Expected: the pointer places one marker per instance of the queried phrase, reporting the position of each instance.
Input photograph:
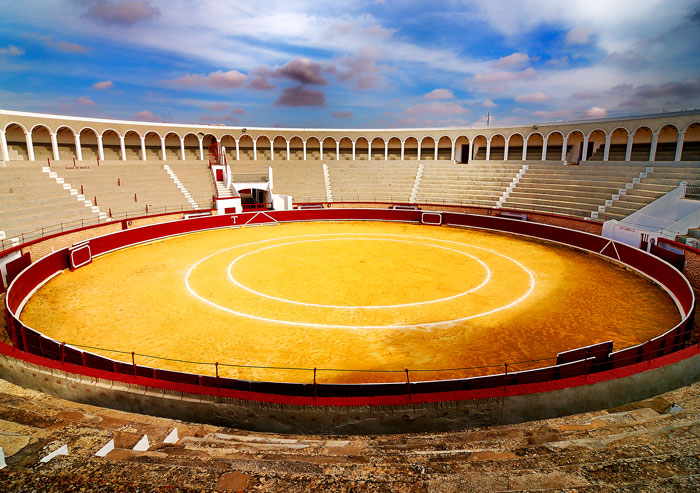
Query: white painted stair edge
(180, 186)
(327, 180)
(622, 192)
(416, 183)
(81, 198)
(512, 185)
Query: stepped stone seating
(573, 190)
(303, 180)
(657, 183)
(372, 181)
(476, 183)
(639, 447)
(30, 201)
(114, 186)
(196, 177)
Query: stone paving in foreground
(638, 447)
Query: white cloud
(580, 35)
(596, 112)
(533, 97)
(439, 94)
(103, 85)
(516, 60)
(487, 103)
(11, 50)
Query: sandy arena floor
(356, 296)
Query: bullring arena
(439, 309)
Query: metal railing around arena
(588, 361)
(67, 226)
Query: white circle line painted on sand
(531, 287)
(350, 238)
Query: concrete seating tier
(372, 181)
(303, 180)
(126, 188)
(477, 183)
(573, 190)
(196, 177)
(657, 183)
(30, 201)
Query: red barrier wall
(574, 364)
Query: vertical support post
(386, 150)
(584, 150)
(255, 150)
(606, 150)
(369, 149)
(353, 150)
(30, 145)
(408, 383)
(437, 144)
(238, 151)
(162, 148)
(78, 148)
(452, 152)
(628, 149)
(337, 150)
(303, 148)
(488, 149)
(420, 148)
(524, 149)
(564, 144)
(201, 149)
(182, 148)
(544, 148)
(679, 146)
(54, 146)
(122, 147)
(403, 148)
(471, 151)
(288, 156)
(100, 149)
(272, 149)
(3, 146)
(143, 147)
(505, 149)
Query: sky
(350, 63)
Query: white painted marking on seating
(284, 300)
(109, 446)
(172, 437)
(143, 444)
(531, 287)
(63, 450)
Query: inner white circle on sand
(425, 325)
(486, 279)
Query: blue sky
(350, 63)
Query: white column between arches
(320, 149)
(584, 151)
(3, 146)
(353, 150)
(544, 149)
(369, 150)
(420, 147)
(182, 148)
(505, 149)
(436, 151)
(654, 142)
(471, 150)
(452, 151)
(100, 149)
(524, 157)
(78, 148)
(606, 150)
(255, 150)
(143, 147)
(564, 144)
(287, 149)
(337, 150)
(303, 147)
(272, 149)
(402, 150)
(201, 149)
(238, 150)
(162, 148)
(30, 145)
(628, 149)
(122, 147)
(386, 150)
(488, 149)
(54, 147)
(679, 146)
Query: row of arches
(668, 143)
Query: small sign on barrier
(80, 255)
(432, 218)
